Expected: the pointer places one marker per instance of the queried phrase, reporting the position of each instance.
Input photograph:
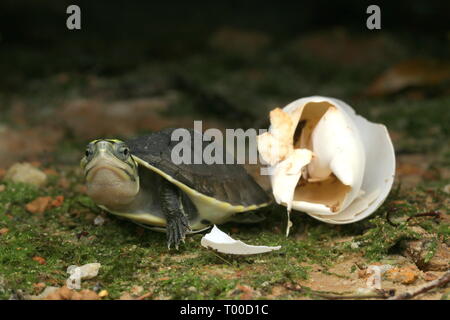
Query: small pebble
(404, 275)
(103, 293)
(97, 287)
(447, 189)
(26, 173)
(428, 276)
(354, 245)
(99, 221)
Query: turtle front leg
(172, 207)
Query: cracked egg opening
(331, 183)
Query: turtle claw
(176, 231)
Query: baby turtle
(138, 180)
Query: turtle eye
(123, 152)
(88, 153)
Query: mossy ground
(249, 84)
(131, 256)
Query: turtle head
(111, 173)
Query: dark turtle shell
(228, 183)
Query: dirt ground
(48, 115)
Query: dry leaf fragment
(409, 73)
(39, 260)
(406, 275)
(65, 293)
(246, 292)
(62, 293)
(41, 204)
(57, 201)
(38, 205)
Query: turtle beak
(112, 168)
(110, 181)
(104, 163)
(103, 160)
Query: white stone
(78, 273)
(26, 173)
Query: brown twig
(433, 284)
(377, 294)
(382, 294)
(435, 214)
(145, 296)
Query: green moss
(16, 194)
(430, 250)
(66, 235)
(377, 241)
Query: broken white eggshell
(220, 241)
(327, 161)
(78, 273)
(376, 273)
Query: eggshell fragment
(78, 273)
(278, 143)
(221, 242)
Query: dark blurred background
(138, 66)
(117, 36)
